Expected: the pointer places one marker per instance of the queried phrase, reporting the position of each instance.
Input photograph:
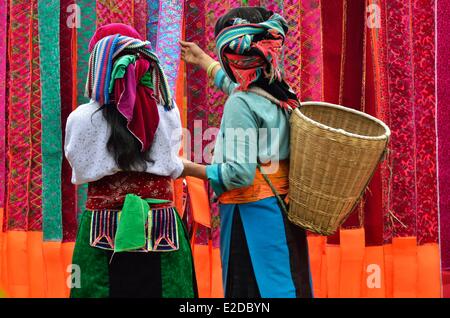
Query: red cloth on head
(111, 29)
(136, 102)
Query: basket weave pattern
(334, 153)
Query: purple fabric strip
(3, 44)
(443, 126)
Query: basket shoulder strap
(275, 192)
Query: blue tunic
(262, 221)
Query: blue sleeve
(224, 83)
(239, 144)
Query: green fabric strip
(88, 18)
(48, 13)
(84, 33)
(92, 264)
(177, 271)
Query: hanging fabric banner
(88, 18)
(423, 41)
(152, 22)
(140, 11)
(51, 118)
(403, 197)
(169, 33)
(19, 132)
(3, 46)
(35, 180)
(443, 131)
(68, 190)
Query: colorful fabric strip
(152, 22)
(3, 44)
(443, 125)
(169, 33)
(51, 118)
(19, 144)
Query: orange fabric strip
(216, 274)
(374, 278)
(260, 189)
(17, 262)
(352, 260)
(404, 251)
(36, 269)
(199, 201)
(428, 271)
(333, 269)
(67, 252)
(54, 267)
(389, 270)
(202, 266)
(316, 247)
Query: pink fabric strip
(292, 64)
(3, 43)
(443, 126)
(214, 10)
(311, 50)
(424, 106)
(403, 198)
(140, 16)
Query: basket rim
(385, 136)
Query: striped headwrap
(101, 63)
(250, 53)
(239, 38)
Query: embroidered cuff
(214, 174)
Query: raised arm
(191, 53)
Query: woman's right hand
(191, 53)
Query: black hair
(122, 145)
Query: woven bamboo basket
(334, 153)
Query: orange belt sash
(260, 190)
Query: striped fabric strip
(51, 119)
(152, 22)
(35, 185)
(169, 33)
(3, 47)
(19, 141)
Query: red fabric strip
(68, 190)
